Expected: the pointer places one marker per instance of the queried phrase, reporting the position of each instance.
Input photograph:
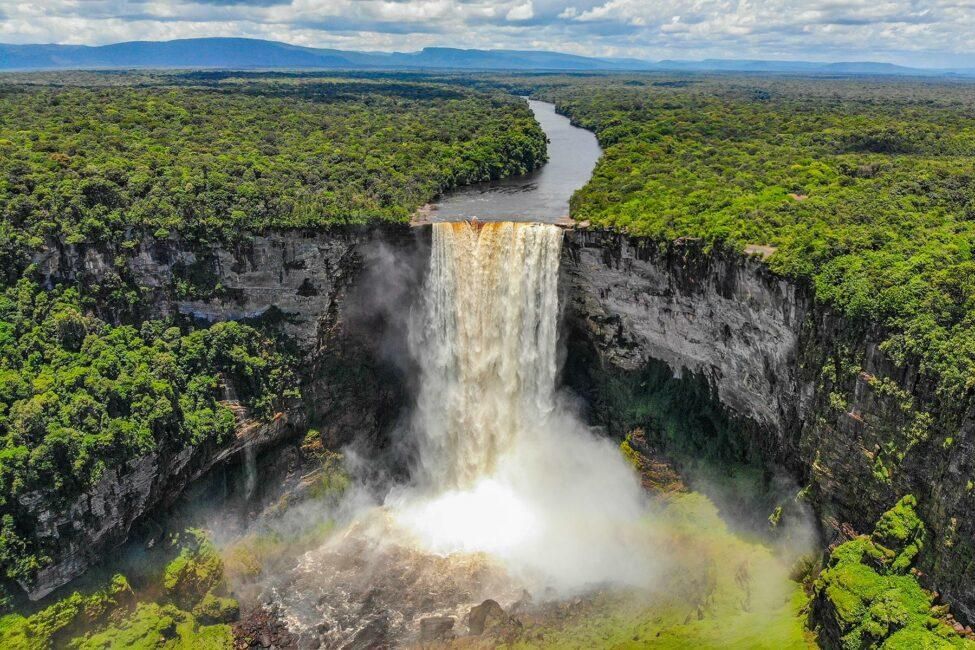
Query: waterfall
(504, 465)
(485, 339)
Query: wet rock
(373, 636)
(436, 628)
(262, 628)
(522, 604)
(486, 617)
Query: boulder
(486, 617)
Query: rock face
(321, 288)
(102, 517)
(297, 273)
(726, 318)
(436, 628)
(486, 617)
(813, 391)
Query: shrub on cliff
(866, 597)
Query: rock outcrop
(295, 273)
(813, 391)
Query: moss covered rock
(158, 626)
(217, 609)
(866, 597)
(194, 572)
(53, 625)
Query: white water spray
(504, 468)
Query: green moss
(901, 534)
(52, 625)
(630, 454)
(195, 571)
(158, 626)
(331, 481)
(217, 609)
(868, 596)
(111, 618)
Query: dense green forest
(108, 159)
(79, 397)
(164, 154)
(865, 188)
(862, 189)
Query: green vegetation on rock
(81, 399)
(192, 615)
(195, 572)
(162, 627)
(867, 596)
(71, 615)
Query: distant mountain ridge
(245, 53)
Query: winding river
(543, 195)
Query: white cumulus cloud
(524, 11)
(918, 32)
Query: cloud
(914, 32)
(254, 3)
(521, 12)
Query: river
(541, 196)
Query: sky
(925, 33)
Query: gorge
(478, 379)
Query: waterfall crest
(485, 339)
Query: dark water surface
(542, 195)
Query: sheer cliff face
(813, 391)
(306, 283)
(722, 317)
(298, 274)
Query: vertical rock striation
(812, 390)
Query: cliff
(808, 389)
(315, 287)
(84, 530)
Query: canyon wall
(318, 288)
(811, 390)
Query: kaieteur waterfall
(510, 492)
(504, 466)
(486, 345)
